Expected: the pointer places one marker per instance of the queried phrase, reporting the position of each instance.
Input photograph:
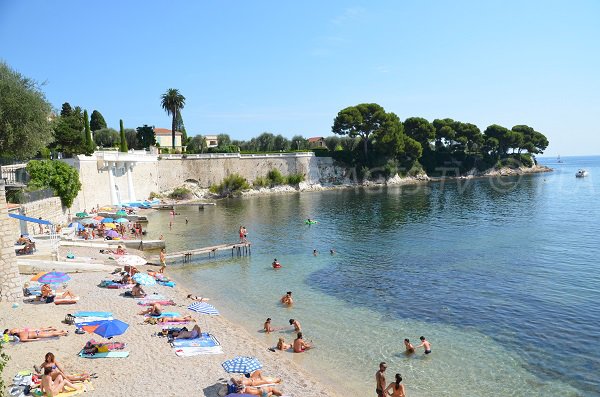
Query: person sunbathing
(57, 369)
(263, 391)
(154, 310)
(242, 383)
(154, 320)
(197, 298)
(46, 292)
(257, 377)
(29, 335)
(196, 332)
(64, 295)
(52, 387)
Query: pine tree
(97, 122)
(123, 143)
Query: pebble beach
(152, 367)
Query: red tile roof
(164, 131)
(315, 139)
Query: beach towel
(173, 323)
(167, 283)
(165, 314)
(87, 386)
(66, 301)
(92, 314)
(206, 340)
(195, 351)
(150, 303)
(91, 323)
(79, 320)
(111, 354)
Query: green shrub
(261, 181)
(57, 175)
(181, 193)
(3, 361)
(153, 195)
(276, 178)
(295, 179)
(230, 186)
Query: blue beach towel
(206, 340)
(92, 314)
(166, 314)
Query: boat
(581, 173)
(558, 159)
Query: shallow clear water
(500, 275)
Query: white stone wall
(49, 209)
(10, 282)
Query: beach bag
(69, 319)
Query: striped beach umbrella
(204, 308)
(241, 365)
(54, 278)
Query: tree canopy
(25, 126)
(57, 175)
(172, 102)
(145, 136)
(107, 137)
(97, 121)
(362, 121)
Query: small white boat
(581, 173)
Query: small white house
(211, 141)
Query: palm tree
(172, 101)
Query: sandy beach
(152, 367)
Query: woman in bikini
(396, 388)
(57, 369)
(28, 334)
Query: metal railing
(233, 155)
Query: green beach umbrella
(81, 215)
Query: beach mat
(87, 387)
(111, 354)
(206, 340)
(92, 314)
(165, 314)
(195, 351)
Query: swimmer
(425, 345)
(332, 251)
(276, 264)
(287, 298)
(410, 349)
(315, 252)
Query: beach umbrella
(204, 308)
(131, 260)
(110, 328)
(112, 234)
(54, 278)
(81, 214)
(37, 276)
(76, 225)
(144, 279)
(106, 208)
(98, 218)
(110, 225)
(121, 213)
(241, 365)
(107, 220)
(122, 220)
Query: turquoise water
(500, 275)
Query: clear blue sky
(285, 67)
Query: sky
(247, 67)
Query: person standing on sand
(380, 379)
(163, 261)
(425, 345)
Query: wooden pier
(237, 249)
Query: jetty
(237, 249)
(173, 205)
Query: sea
(501, 275)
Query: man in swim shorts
(425, 345)
(380, 379)
(300, 345)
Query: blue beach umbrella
(241, 365)
(76, 225)
(204, 308)
(144, 279)
(122, 220)
(54, 278)
(110, 328)
(107, 220)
